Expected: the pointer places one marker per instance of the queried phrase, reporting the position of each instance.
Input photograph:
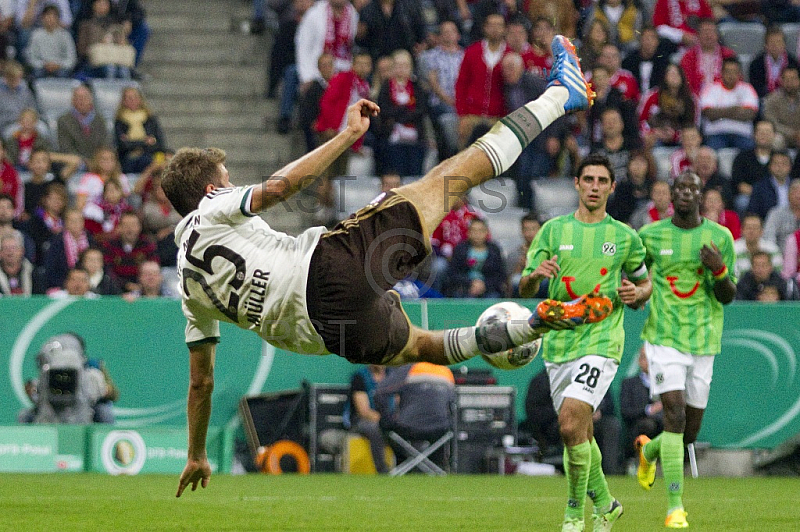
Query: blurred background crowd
(710, 86)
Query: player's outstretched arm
(201, 384)
(298, 174)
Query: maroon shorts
(351, 270)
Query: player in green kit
(691, 262)
(580, 253)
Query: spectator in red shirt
(666, 109)
(10, 183)
(542, 35)
(128, 251)
(766, 68)
(702, 63)
(714, 209)
(621, 79)
(343, 89)
(517, 39)
(452, 230)
(25, 140)
(683, 158)
(103, 215)
(658, 208)
(676, 20)
(479, 86)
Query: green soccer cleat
(646, 472)
(604, 522)
(572, 524)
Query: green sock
(598, 487)
(672, 466)
(579, 458)
(652, 450)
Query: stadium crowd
(680, 85)
(81, 208)
(708, 86)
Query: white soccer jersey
(717, 96)
(233, 267)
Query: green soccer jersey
(684, 314)
(590, 256)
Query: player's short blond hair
(187, 175)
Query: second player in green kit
(691, 263)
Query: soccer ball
(516, 357)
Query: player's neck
(587, 216)
(687, 220)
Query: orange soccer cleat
(589, 308)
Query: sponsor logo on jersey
(609, 248)
(659, 378)
(565, 247)
(665, 252)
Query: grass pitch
(90, 502)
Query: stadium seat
(792, 32)
(726, 157)
(361, 162)
(107, 94)
(353, 194)
(171, 279)
(54, 98)
(504, 226)
(554, 197)
(495, 195)
(662, 155)
(743, 38)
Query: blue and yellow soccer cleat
(604, 522)
(567, 73)
(677, 519)
(646, 472)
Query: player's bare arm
(300, 173)
(635, 294)
(724, 288)
(529, 284)
(201, 384)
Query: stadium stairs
(205, 79)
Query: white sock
(508, 137)
(466, 342)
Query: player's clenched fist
(358, 116)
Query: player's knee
(573, 425)
(674, 418)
